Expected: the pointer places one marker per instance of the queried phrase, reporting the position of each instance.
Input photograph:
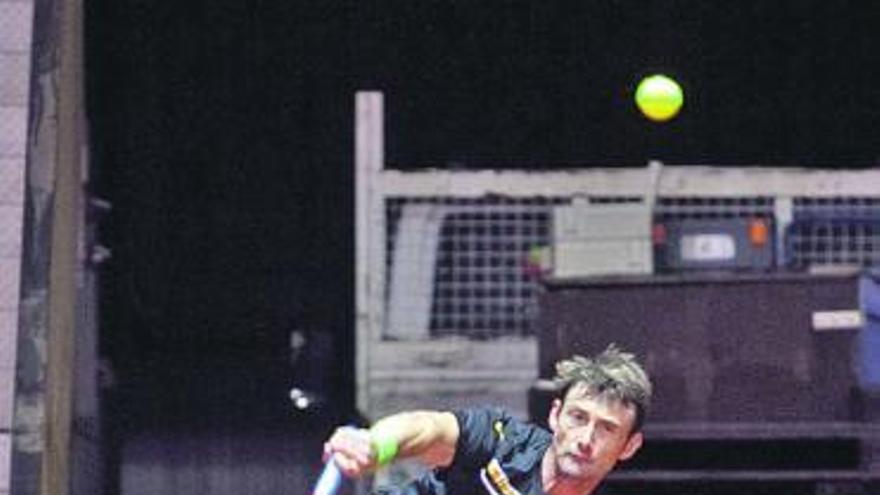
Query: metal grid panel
(480, 286)
(837, 207)
(834, 231)
(713, 207)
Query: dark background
(222, 133)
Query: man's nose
(585, 438)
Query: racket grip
(330, 479)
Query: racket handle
(330, 479)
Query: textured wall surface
(16, 24)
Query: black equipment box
(713, 244)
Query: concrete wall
(16, 26)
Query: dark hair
(612, 373)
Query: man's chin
(574, 467)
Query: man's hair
(612, 374)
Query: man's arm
(429, 436)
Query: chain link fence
(840, 231)
(475, 280)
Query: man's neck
(555, 483)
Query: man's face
(591, 434)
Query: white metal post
(369, 234)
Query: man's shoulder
(500, 423)
(484, 417)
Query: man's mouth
(579, 458)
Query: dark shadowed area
(222, 133)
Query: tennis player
(595, 422)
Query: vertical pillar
(369, 236)
(16, 28)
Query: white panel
(9, 283)
(841, 319)
(7, 378)
(604, 239)
(370, 234)
(411, 288)
(14, 71)
(599, 258)
(675, 181)
(582, 222)
(5, 461)
(11, 181)
(16, 26)
(13, 125)
(16, 29)
(10, 231)
(8, 337)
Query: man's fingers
(328, 452)
(348, 466)
(351, 450)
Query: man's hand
(352, 450)
(429, 436)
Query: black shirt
(496, 454)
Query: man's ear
(553, 418)
(633, 444)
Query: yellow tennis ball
(659, 97)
